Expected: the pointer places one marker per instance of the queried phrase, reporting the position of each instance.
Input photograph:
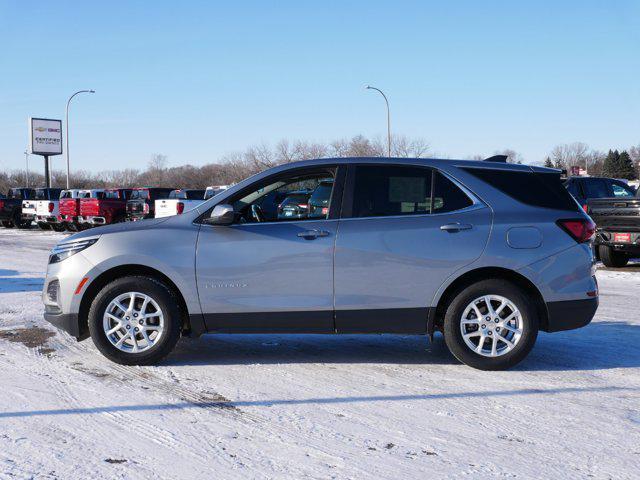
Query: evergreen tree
(548, 163)
(626, 167)
(611, 163)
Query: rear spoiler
(497, 158)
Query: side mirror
(222, 214)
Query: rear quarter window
(535, 189)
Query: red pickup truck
(104, 207)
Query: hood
(117, 228)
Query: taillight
(180, 207)
(145, 209)
(581, 229)
(585, 207)
(1, 204)
(50, 207)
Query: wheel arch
(468, 278)
(123, 271)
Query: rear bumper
(570, 314)
(67, 322)
(605, 237)
(47, 219)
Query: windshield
(15, 194)
(139, 195)
(42, 194)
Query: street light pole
(67, 124)
(369, 87)
(26, 159)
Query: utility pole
(26, 160)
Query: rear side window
(401, 190)
(531, 188)
(447, 197)
(381, 191)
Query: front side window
(299, 197)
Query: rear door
(404, 230)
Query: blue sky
(197, 80)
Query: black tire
(7, 224)
(44, 226)
(58, 227)
(453, 316)
(611, 258)
(163, 296)
(20, 223)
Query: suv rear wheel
(611, 258)
(490, 325)
(135, 320)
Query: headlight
(65, 250)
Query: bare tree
(570, 154)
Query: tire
(611, 258)
(164, 299)
(20, 223)
(506, 356)
(7, 224)
(58, 227)
(44, 226)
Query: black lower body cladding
(571, 314)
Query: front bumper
(570, 314)
(68, 322)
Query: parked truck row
(79, 209)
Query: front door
(405, 230)
(272, 270)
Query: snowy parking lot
(271, 406)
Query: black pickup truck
(615, 207)
(11, 207)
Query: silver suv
(485, 252)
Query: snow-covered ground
(268, 406)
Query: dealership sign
(45, 136)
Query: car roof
(432, 162)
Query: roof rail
(497, 158)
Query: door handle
(455, 227)
(313, 234)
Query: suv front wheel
(490, 325)
(135, 320)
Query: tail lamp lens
(180, 208)
(145, 209)
(581, 229)
(50, 207)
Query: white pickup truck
(43, 208)
(179, 201)
(48, 208)
(214, 190)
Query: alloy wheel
(491, 325)
(133, 322)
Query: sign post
(45, 138)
